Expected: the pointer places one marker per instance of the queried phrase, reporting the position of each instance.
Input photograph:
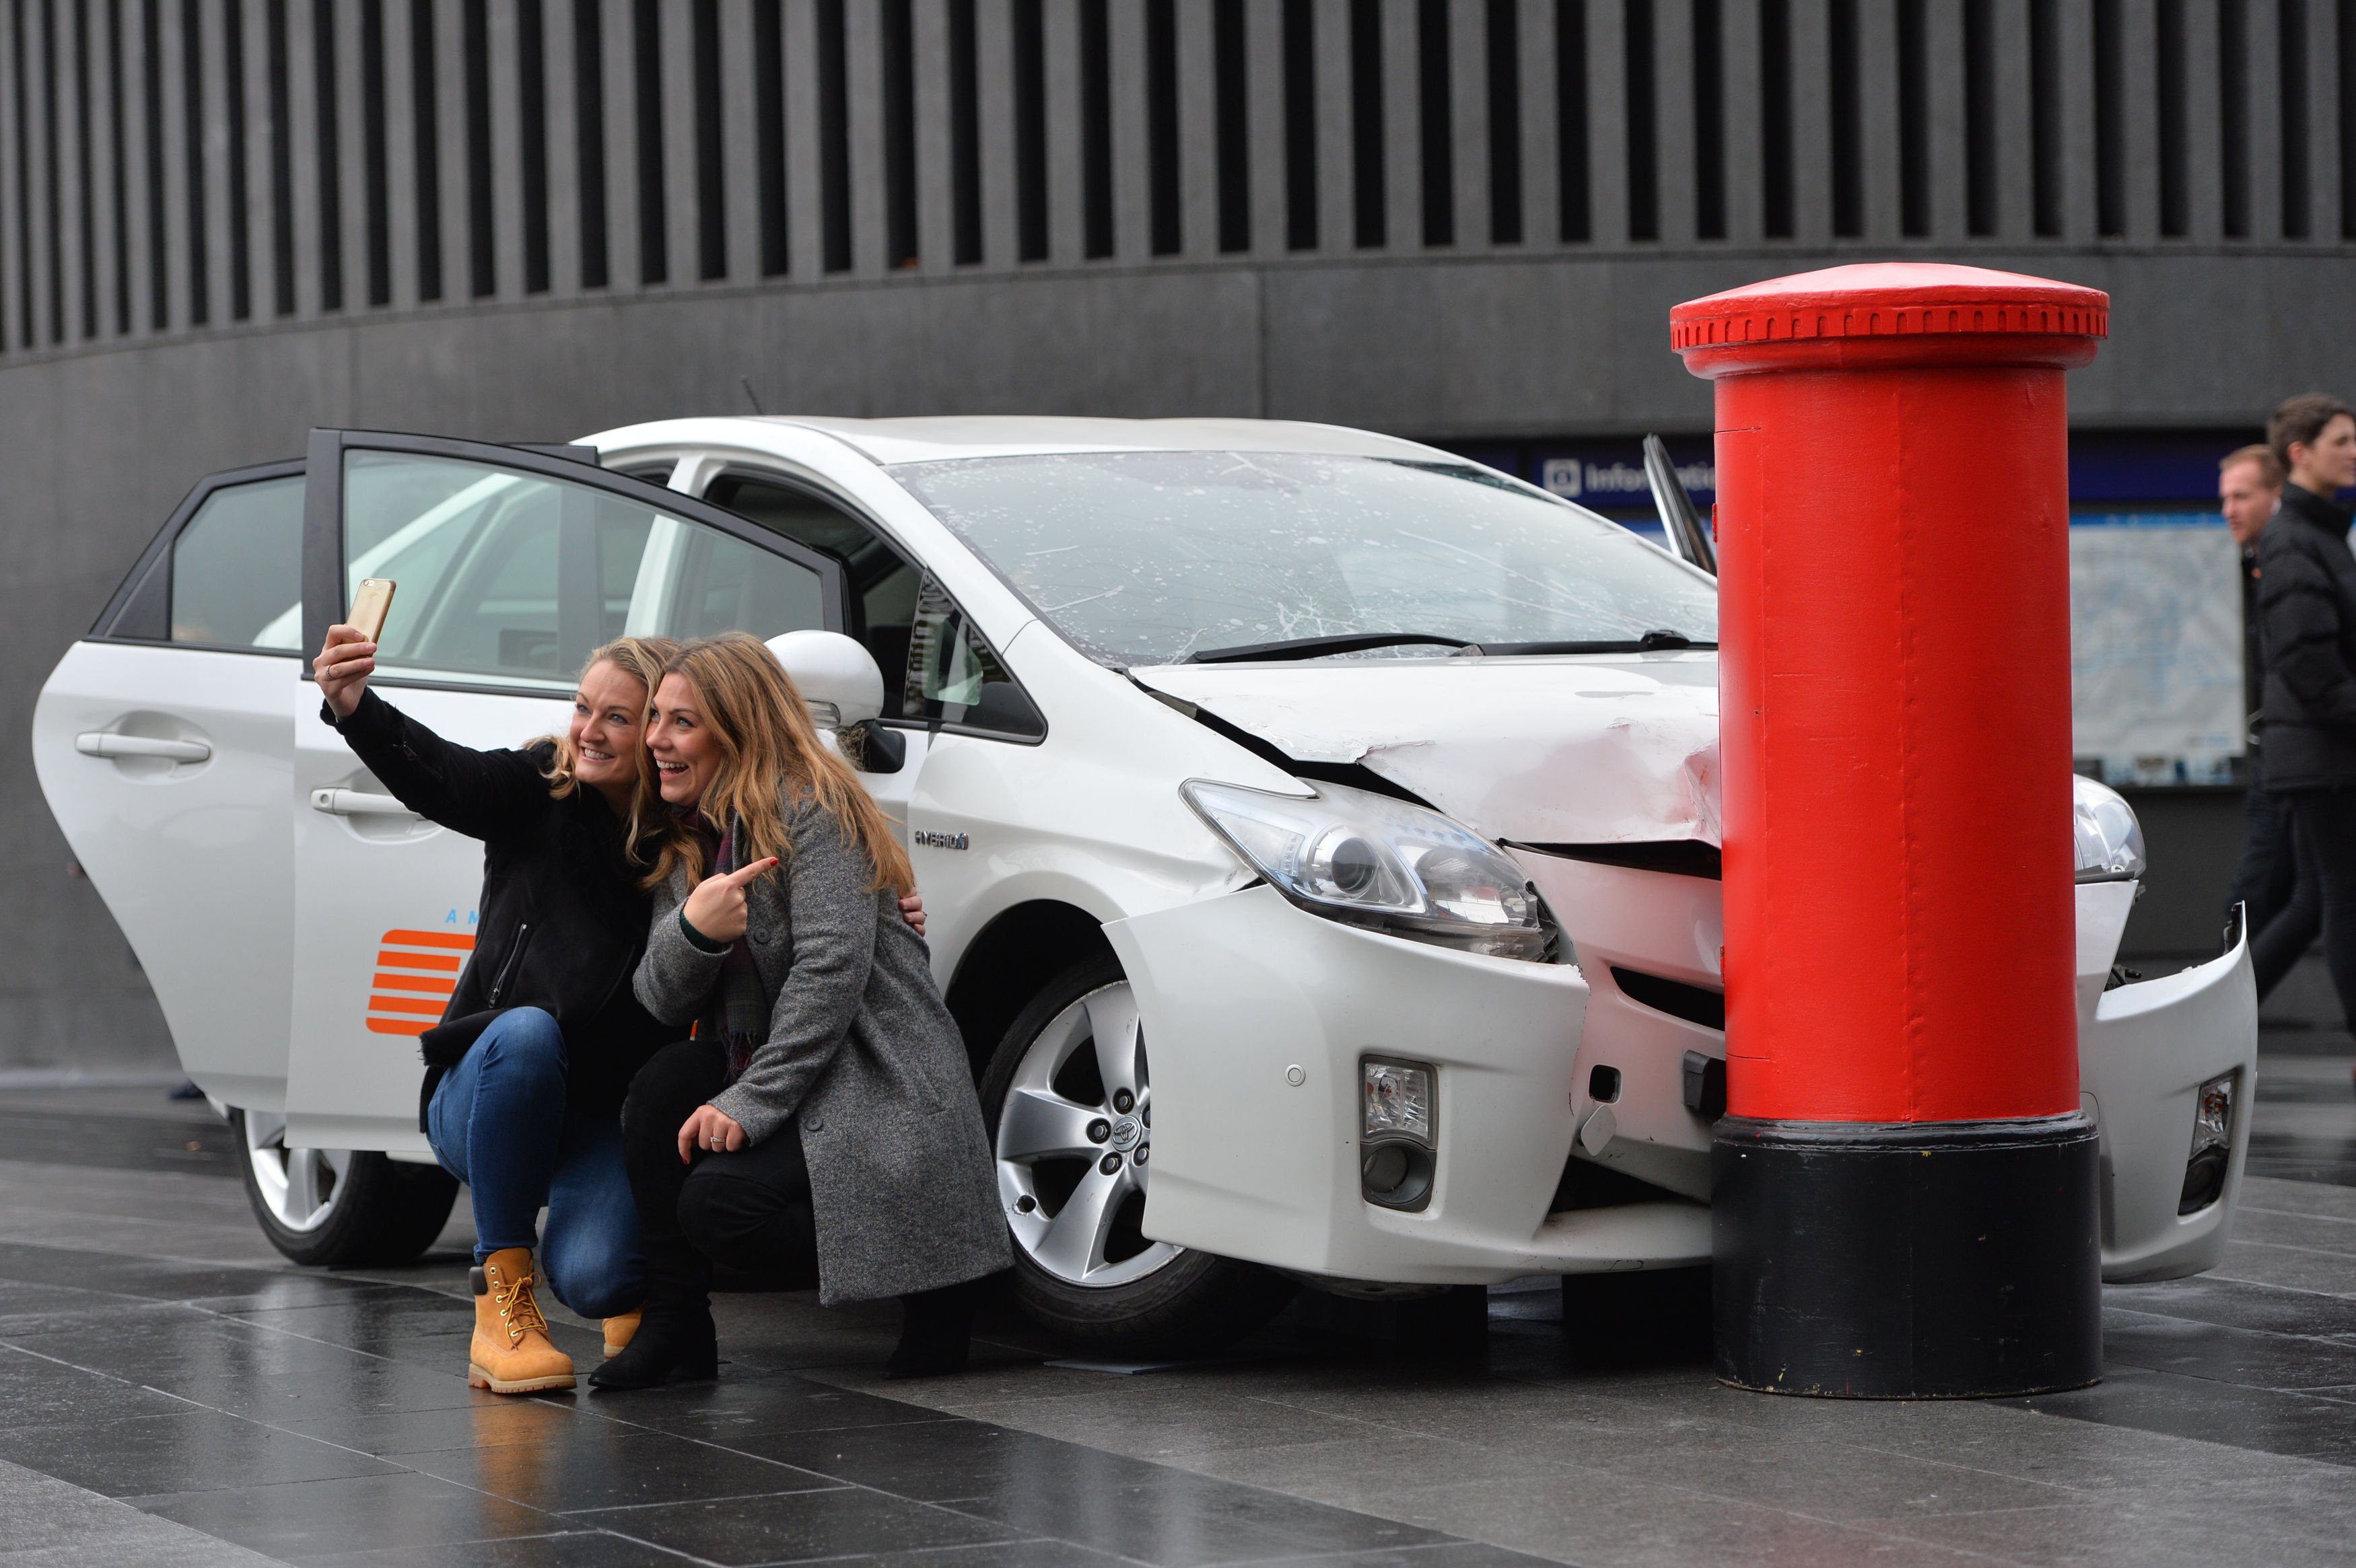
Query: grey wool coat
(904, 1189)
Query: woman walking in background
(823, 1115)
(2307, 612)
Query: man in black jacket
(2249, 488)
(2307, 616)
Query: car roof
(930, 439)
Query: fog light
(1396, 1159)
(2213, 1146)
(1398, 1100)
(1385, 1168)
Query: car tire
(1125, 1295)
(338, 1206)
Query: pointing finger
(740, 877)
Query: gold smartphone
(370, 606)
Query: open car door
(161, 744)
(513, 566)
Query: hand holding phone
(348, 657)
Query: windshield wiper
(1663, 641)
(1313, 648)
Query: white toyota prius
(1319, 832)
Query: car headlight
(1354, 856)
(2110, 839)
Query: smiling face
(607, 711)
(688, 754)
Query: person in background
(2307, 616)
(2249, 488)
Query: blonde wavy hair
(642, 660)
(770, 755)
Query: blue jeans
(500, 1122)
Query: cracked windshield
(1146, 558)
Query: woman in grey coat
(821, 1119)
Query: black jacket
(561, 920)
(2307, 614)
(2253, 652)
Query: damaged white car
(1318, 831)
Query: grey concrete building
(225, 222)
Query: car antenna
(751, 396)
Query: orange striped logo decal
(415, 972)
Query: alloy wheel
(1075, 1145)
(300, 1186)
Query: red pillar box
(1904, 1189)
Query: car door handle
(357, 802)
(106, 743)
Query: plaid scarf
(740, 1009)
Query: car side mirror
(835, 675)
(873, 749)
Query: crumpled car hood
(1539, 750)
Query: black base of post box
(1938, 1260)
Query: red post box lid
(1888, 300)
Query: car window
(231, 575)
(501, 573)
(726, 584)
(955, 678)
(883, 582)
(937, 668)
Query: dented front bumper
(1257, 1017)
(2144, 1051)
(1238, 990)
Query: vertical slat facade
(85, 247)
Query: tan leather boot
(511, 1352)
(620, 1328)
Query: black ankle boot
(936, 1333)
(673, 1344)
(677, 1340)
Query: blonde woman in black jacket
(525, 1074)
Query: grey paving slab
(801, 1526)
(1151, 1421)
(2298, 1196)
(2239, 1305)
(2291, 1267)
(599, 1465)
(2318, 1233)
(320, 1416)
(566, 1549)
(1638, 1524)
(2249, 1357)
(301, 1521)
(45, 1522)
(483, 1424)
(191, 1450)
(2129, 1533)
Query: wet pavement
(172, 1392)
